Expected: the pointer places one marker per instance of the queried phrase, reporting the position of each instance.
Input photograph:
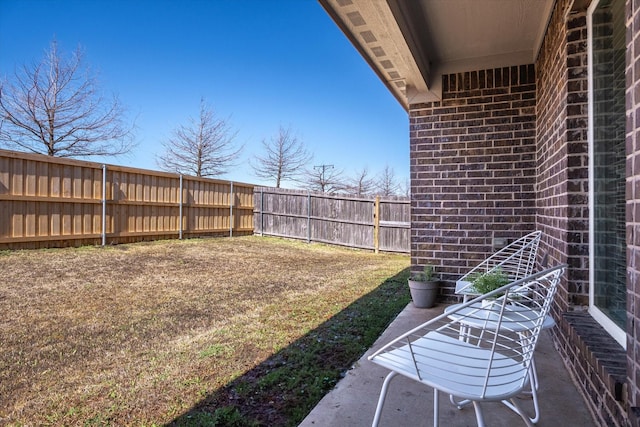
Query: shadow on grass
(284, 388)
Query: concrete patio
(353, 401)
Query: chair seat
(516, 318)
(456, 367)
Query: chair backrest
(516, 260)
(474, 351)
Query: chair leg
(479, 416)
(383, 394)
(534, 394)
(534, 391)
(534, 374)
(520, 412)
(461, 404)
(534, 397)
(436, 414)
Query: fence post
(180, 210)
(262, 211)
(308, 216)
(104, 205)
(231, 210)
(376, 224)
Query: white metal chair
(491, 361)
(516, 260)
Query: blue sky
(260, 63)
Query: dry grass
(139, 334)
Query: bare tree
(405, 189)
(203, 148)
(285, 157)
(325, 178)
(361, 184)
(386, 182)
(54, 108)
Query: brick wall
(633, 207)
(552, 150)
(577, 162)
(472, 168)
(597, 362)
(562, 153)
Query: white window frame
(614, 330)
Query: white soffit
(488, 32)
(411, 43)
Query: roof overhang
(411, 44)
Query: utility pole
(324, 168)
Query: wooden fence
(370, 223)
(48, 201)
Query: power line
(324, 168)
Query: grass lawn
(247, 331)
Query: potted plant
(484, 283)
(424, 287)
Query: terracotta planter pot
(424, 294)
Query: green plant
(426, 275)
(486, 282)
